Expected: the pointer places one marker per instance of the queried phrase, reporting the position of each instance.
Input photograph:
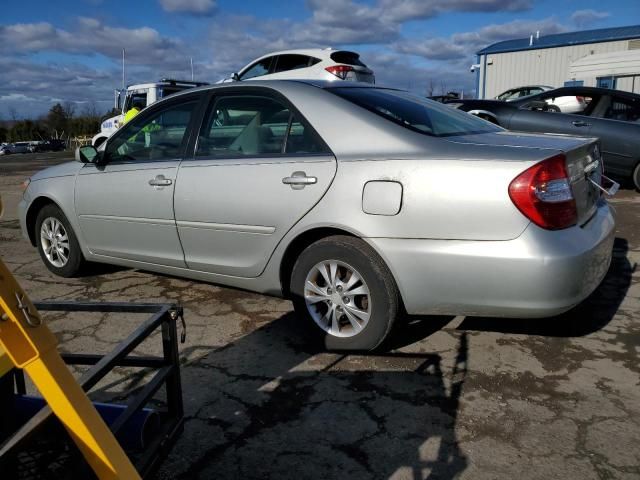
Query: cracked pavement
(468, 398)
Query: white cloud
(192, 7)
(584, 18)
(464, 45)
(89, 36)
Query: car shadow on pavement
(593, 314)
(269, 406)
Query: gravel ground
(470, 398)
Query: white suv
(308, 64)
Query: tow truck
(141, 93)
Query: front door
(258, 168)
(125, 204)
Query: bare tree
(443, 87)
(430, 87)
(69, 109)
(13, 114)
(90, 111)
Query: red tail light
(580, 99)
(543, 194)
(340, 71)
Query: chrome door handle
(580, 123)
(299, 180)
(160, 181)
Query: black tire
(384, 297)
(552, 108)
(75, 260)
(635, 178)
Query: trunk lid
(584, 166)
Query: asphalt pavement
(469, 398)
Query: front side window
(257, 69)
(160, 136)
(416, 113)
(508, 95)
(137, 100)
(240, 126)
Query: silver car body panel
(121, 215)
(207, 211)
(457, 245)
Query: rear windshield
(414, 112)
(348, 58)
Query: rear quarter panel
(460, 199)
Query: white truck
(142, 95)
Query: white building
(608, 57)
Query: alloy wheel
(54, 242)
(337, 298)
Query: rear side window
(415, 113)
(291, 62)
(348, 58)
(623, 110)
(242, 125)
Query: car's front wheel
(57, 242)
(345, 293)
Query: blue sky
(69, 51)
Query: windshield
(416, 113)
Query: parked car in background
(5, 149)
(54, 145)
(519, 92)
(611, 115)
(565, 104)
(311, 64)
(21, 147)
(256, 185)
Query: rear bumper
(539, 274)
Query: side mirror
(235, 77)
(87, 154)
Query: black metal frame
(168, 375)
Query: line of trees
(62, 122)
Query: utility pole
(191, 60)
(123, 83)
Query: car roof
(276, 84)
(317, 52)
(586, 91)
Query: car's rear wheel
(57, 242)
(345, 293)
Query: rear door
(530, 117)
(616, 121)
(258, 168)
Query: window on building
(606, 82)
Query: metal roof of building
(564, 39)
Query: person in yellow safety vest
(132, 112)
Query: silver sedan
(357, 202)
